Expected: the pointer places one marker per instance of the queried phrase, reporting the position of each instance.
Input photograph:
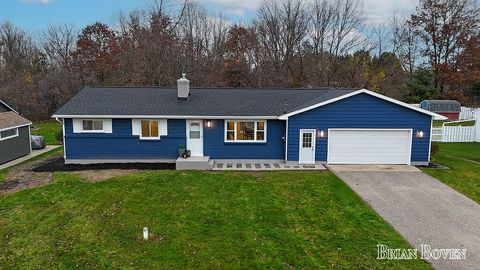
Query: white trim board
(12, 136)
(430, 141)
(363, 91)
(168, 117)
(235, 131)
(286, 141)
(26, 125)
(8, 106)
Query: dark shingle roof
(202, 101)
(12, 119)
(444, 106)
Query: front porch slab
(194, 163)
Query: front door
(307, 146)
(195, 137)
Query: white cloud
(377, 11)
(236, 11)
(246, 4)
(44, 2)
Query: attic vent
(183, 85)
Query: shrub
(59, 136)
(434, 149)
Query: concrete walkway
(29, 156)
(263, 165)
(422, 209)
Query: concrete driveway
(422, 209)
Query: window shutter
(107, 125)
(136, 129)
(77, 125)
(163, 127)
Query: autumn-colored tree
(95, 53)
(237, 67)
(444, 27)
(290, 43)
(467, 68)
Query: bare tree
(203, 37)
(380, 35)
(341, 24)
(282, 30)
(405, 43)
(58, 43)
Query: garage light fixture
(321, 134)
(209, 123)
(419, 134)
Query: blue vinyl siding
(359, 111)
(216, 148)
(121, 144)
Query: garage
(369, 146)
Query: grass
(470, 123)
(198, 220)
(464, 173)
(439, 123)
(47, 129)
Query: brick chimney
(183, 86)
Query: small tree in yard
(420, 87)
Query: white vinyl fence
(437, 134)
(467, 113)
(453, 134)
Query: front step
(194, 163)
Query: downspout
(63, 133)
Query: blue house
(298, 126)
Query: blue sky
(34, 15)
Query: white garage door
(369, 146)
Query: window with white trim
(9, 133)
(149, 129)
(245, 131)
(92, 125)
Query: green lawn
(202, 220)
(47, 129)
(438, 123)
(465, 123)
(463, 175)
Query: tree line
(432, 53)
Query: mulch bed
(41, 171)
(432, 165)
(57, 164)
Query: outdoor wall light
(209, 123)
(321, 134)
(419, 134)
